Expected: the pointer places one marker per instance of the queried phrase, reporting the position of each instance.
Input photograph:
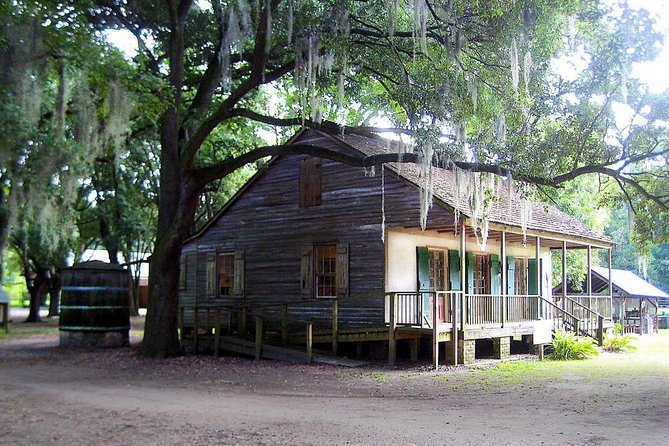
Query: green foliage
(630, 253)
(616, 341)
(568, 346)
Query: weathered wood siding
(267, 222)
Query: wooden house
(312, 250)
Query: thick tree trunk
(37, 291)
(54, 295)
(176, 208)
(5, 218)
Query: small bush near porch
(567, 345)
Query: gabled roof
(504, 211)
(629, 283)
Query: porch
(459, 319)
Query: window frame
(230, 275)
(432, 271)
(485, 269)
(331, 275)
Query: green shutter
(423, 277)
(454, 269)
(510, 275)
(423, 268)
(470, 273)
(532, 277)
(495, 277)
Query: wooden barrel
(95, 305)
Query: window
(438, 266)
(326, 270)
(226, 274)
(310, 182)
(521, 277)
(481, 274)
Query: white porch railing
(415, 308)
(583, 304)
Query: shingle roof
(505, 210)
(630, 283)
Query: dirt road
(112, 397)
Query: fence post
(181, 324)
(195, 328)
(335, 326)
(600, 330)
(284, 325)
(242, 329)
(258, 337)
(577, 327)
(310, 342)
(217, 333)
(392, 345)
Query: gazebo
(635, 301)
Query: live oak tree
(61, 108)
(470, 82)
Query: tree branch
(204, 175)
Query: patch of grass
(379, 377)
(25, 330)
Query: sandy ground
(53, 396)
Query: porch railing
(584, 304)
(414, 308)
(486, 309)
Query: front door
(432, 276)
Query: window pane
(226, 274)
(326, 271)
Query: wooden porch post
(504, 278)
(435, 331)
(611, 281)
(463, 274)
(539, 284)
(564, 275)
(588, 280)
(392, 344)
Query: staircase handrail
(562, 310)
(586, 308)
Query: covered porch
(499, 292)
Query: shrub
(569, 346)
(618, 342)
